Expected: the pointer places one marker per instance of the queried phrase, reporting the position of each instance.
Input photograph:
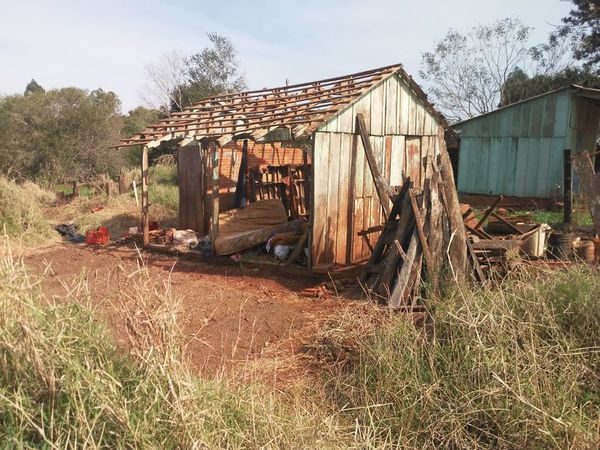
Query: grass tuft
(511, 368)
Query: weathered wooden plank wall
(401, 131)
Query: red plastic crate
(98, 236)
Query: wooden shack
(302, 145)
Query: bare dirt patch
(231, 314)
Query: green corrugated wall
(517, 150)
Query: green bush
(510, 368)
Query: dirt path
(230, 314)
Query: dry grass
(511, 368)
(21, 215)
(64, 384)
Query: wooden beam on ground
(145, 202)
(589, 184)
(384, 191)
(488, 212)
(507, 223)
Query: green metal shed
(518, 150)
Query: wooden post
(214, 226)
(123, 185)
(384, 192)
(75, 189)
(145, 203)
(568, 188)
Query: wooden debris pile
(423, 239)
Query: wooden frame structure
(397, 132)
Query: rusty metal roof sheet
(300, 108)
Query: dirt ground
(230, 314)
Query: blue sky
(109, 43)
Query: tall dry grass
(21, 212)
(64, 384)
(517, 367)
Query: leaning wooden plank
(475, 262)
(384, 191)
(589, 183)
(457, 249)
(402, 286)
(420, 230)
(214, 226)
(488, 212)
(507, 223)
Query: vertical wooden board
(397, 160)
(333, 197)
(358, 225)
(377, 110)
(510, 166)
(363, 106)
(391, 106)
(360, 166)
(387, 174)
(346, 121)
(344, 198)
(404, 109)
(320, 176)
(412, 115)
(413, 160)
(537, 113)
(419, 117)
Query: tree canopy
(60, 134)
(176, 81)
(583, 25)
(467, 73)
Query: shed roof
(576, 89)
(301, 108)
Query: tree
(165, 80)
(33, 87)
(176, 81)
(138, 119)
(520, 86)
(467, 72)
(63, 134)
(215, 70)
(583, 26)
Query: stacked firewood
(422, 242)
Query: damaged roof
(299, 108)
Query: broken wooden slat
(488, 212)
(298, 249)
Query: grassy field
(517, 366)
